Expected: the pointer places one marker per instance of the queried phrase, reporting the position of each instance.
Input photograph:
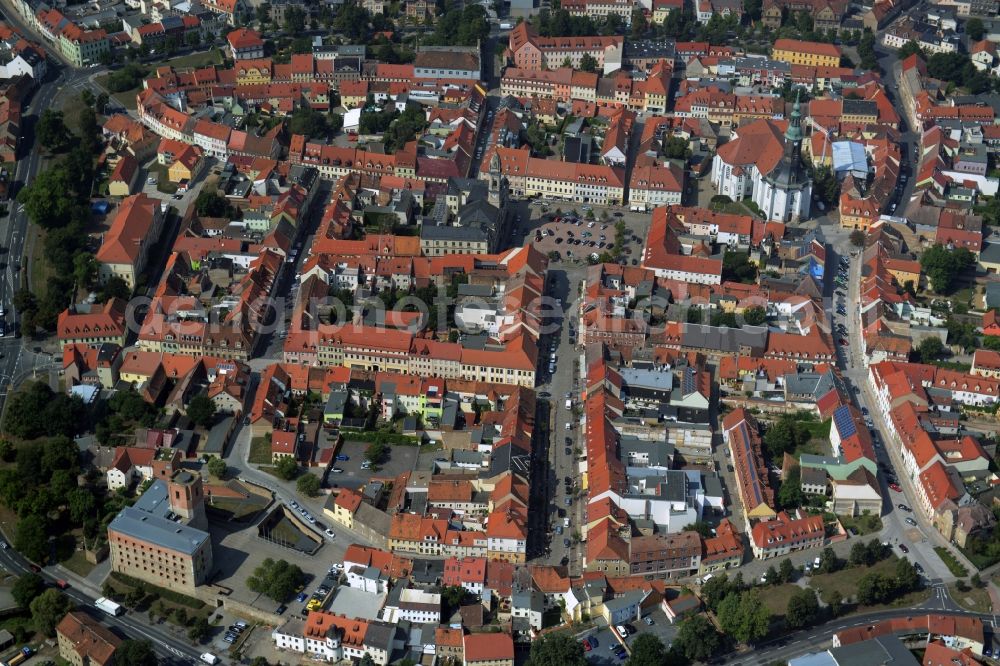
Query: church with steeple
(765, 164)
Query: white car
(330, 534)
(622, 630)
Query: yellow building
(340, 508)
(186, 166)
(254, 71)
(813, 54)
(904, 270)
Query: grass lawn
(975, 599)
(776, 597)
(78, 564)
(193, 608)
(845, 581)
(260, 451)
(862, 525)
(126, 97)
(238, 509)
(954, 566)
(41, 271)
(204, 59)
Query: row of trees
(58, 200)
(943, 266)
(276, 579)
(955, 68)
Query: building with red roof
(783, 535)
(92, 324)
(134, 230)
(489, 649)
(245, 44)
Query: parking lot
(603, 653)
(401, 459)
(575, 237)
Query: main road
(169, 649)
(15, 270)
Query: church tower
(187, 498)
(498, 186)
(787, 190)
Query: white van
(569, 404)
(209, 658)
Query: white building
(768, 168)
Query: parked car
(903, 548)
(911, 522)
(895, 487)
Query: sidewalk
(92, 583)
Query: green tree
(308, 121)
(588, 63)
(217, 467)
(647, 650)
(453, 596)
(907, 578)
(199, 629)
(717, 589)
(27, 587)
(84, 270)
(115, 287)
(857, 238)
(943, 266)
(556, 649)
(211, 204)
(859, 554)
(32, 538)
(82, 505)
(308, 484)
(335, 122)
(677, 148)
(376, 452)
(974, 29)
(201, 410)
(725, 319)
(866, 51)
(133, 652)
(45, 198)
(276, 579)
(36, 410)
(48, 609)
(874, 588)
(697, 638)
(51, 131)
(931, 349)
(908, 49)
(834, 603)
(744, 616)
(786, 571)
(736, 267)
(755, 316)
(803, 609)
(295, 20)
(287, 468)
(829, 562)
(701, 527)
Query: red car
(586, 645)
(895, 486)
(844, 342)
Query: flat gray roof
(158, 530)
